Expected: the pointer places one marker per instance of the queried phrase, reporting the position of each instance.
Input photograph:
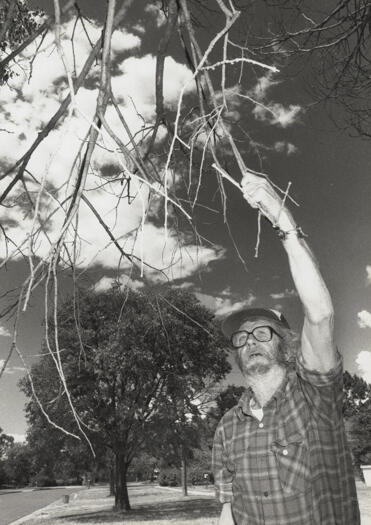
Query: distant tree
(225, 400)
(6, 442)
(174, 436)
(228, 398)
(356, 392)
(361, 434)
(357, 413)
(18, 464)
(125, 354)
(142, 467)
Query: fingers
(257, 192)
(260, 194)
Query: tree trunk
(112, 481)
(121, 492)
(184, 473)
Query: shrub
(196, 476)
(43, 480)
(169, 477)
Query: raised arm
(318, 349)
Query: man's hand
(260, 194)
(318, 348)
(226, 517)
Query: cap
(232, 323)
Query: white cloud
(123, 41)
(285, 147)
(368, 272)
(277, 114)
(364, 319)
(19, 438)
(105, 283)
(224, 304)
(286, 294)
(363, 361)
(227, 306)
(273, 112)
(263, 85)
(138, 79)
(10, 370)
(139, 28)
(4, 332)
(14, 370)
(155, 10)
(24, 116)
(186, 285)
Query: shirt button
(284, 452)
(266, 494)
(261, 425)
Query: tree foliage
(18, 464)
(125, 356)
(357, 413)
(17, 23)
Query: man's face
(257, 357)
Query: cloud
(285, 147)
(277, 114)
(158, 14)
(137, 78)
(364, 319)
(139, 28)
(363, 361)
(105, 283)
(274, 113)
(368, 272)
(224, 303)
(227, 306)
(10, 370)
(123, 41)
(28, 104)
(4, 332)
(286, 294)
(19, 438)
(263, 85)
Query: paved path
(16, 503)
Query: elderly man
(280, 456)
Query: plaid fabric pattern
(293, 467)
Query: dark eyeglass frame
(272, 331)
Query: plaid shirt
(294, 467)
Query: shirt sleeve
(323, 390)
(222, 469)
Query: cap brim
(233, 322)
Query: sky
(297, 142)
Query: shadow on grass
(187, 510)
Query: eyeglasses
(263, 334)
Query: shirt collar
(243, 405)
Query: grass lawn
(151, 505)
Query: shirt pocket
(292, 460)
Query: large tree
(123, 355)
(6, 443)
